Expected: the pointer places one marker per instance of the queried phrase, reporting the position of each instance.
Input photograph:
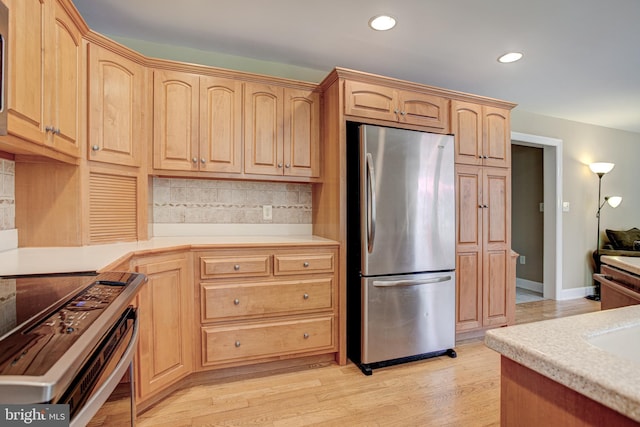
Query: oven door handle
(99, 396)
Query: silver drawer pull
(305, 296)
(305, 264)
(236, 301)
(237, 343)
(305, 336)
(236, 267)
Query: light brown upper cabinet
(117, 106)
(282, 131)
(482, 135)
(44, 75)
(396, 105)
(197, 122)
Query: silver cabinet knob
(396, 111)
(279, 165)
(57, 131)
(49, 129)
(194, 160)
(403, 113)
(236, 301)
(95, 147)
(237, 344)
(305, 296)
(305, 264)
(202, 160)
(236, 267)
(305, 336)
(287, 166)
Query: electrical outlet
(267, 212)
(523, 259)
(566, 206)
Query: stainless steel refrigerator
(400, 245)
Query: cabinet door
(498, 289)
(469, 248)
(117, 88)
(175, 120)
(62, 83)
(26, 113)
(165, 347)
(263, 130)
(220, 125)
(497, 137)
(301, 133)
(423, 110)
(466, 126)
(370, 101)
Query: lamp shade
(614, 201)
(601, 167)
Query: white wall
(584, 144)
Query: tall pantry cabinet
(485, 289)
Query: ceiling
(581, 57)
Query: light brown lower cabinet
(260, 305)
(165, 307)
(484, 279)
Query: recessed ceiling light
(382, 22)
(510, 57)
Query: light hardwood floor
(436, 392)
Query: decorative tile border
(198, 201)
(7, 194)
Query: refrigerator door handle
(391, 284)
(371, 203)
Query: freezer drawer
(408, 315)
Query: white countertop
(559, 349)
(96, 257)
(626, 263)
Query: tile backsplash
(203, 201)
(7, 194)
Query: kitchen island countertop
(560, 350)
(48, 260)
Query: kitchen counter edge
(559, 350)
(47, 260)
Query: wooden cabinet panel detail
(485, 294)
(165, 348)
(44, 75)
(235, 266)
(400, 106)
(248, 300)
(175, 118)
(247, 342)
(482, 135)
(285, 304)
(117, 85)
(220, 125)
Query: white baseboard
(575, 293)
(529, 285)
(8, 239)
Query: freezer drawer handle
(371, 205)
(390, 284)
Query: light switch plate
(267, 212)
(565, 206)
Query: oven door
(103, 372)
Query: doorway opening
(552, 210)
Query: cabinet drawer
(258, 299)
(301, 263)
(235, 266)
(234, 343)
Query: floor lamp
(600, 169)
